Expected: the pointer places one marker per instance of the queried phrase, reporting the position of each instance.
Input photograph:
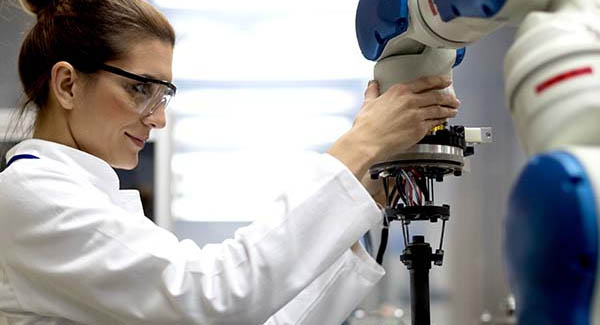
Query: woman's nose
(156, 120)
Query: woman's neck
(52, 125)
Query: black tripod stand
(408, 185)
(413, 185)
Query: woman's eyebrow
(150, 76)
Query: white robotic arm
(414, 38)
(553, 91)
(553, 221)
(552, 84)
(557, 40)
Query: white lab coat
(74, 249)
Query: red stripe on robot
(562, 77)
(433, 8)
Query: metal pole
(419, 293)
(418, 257)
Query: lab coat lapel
(130, 201)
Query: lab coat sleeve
(70, 252)
(332, 296)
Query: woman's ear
(62, 84)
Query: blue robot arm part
(450, 9)
(383, 26)
(552, 241)
(408, 37)
(377, 22)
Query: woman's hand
(395, 121)
(376, 188)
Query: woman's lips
(137, 141)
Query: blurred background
(262, 84)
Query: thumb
(372, 91)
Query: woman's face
(106, 121)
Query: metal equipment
(552, 88)
(408, 183)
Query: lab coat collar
(92, 168)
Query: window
(262, 85)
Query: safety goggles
(147, 95)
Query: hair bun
(37, 6)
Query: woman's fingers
(435, 98)
(372, 91)
(420, 85)
(437, 112)
(429, 83)
(430, 124)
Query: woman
(77, 250)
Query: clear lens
(147, 94)
(148, 97)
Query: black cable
(403, 196)
(385, 232)
(368, 243)
(383, 244)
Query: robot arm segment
(386, 33)
(415, 38)
(558, 41)
(552, 239)
(552, 80)
(467, 21)
(552, 86)
(397, 27)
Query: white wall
(13, 23)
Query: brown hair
(85, 33)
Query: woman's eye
(140, 88)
